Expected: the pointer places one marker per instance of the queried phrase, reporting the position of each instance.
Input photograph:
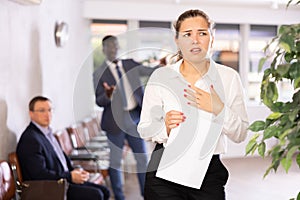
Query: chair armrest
(85, 157)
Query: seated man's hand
(79, 176)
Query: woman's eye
(202, 33)
(186, 35)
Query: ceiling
(222, 11)
(272, 3)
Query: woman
(189, 110)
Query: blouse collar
(211, 73)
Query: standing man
(119, 91)
(41, 157)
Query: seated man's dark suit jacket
(38, 158)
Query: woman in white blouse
(189, 110)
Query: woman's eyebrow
(186, 31)
(203, 29)
(200, 29)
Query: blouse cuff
(162, 137)
(219, 119)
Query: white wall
(161, 11)
(31, 65)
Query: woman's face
(194, 39)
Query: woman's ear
(212, 35)
(212, 41)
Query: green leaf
(298, 160)
(270, 132)
(293, 115)
(286, 163)
(283, 69)
(291, 152)
(272, 92)
(274, 116)
(257, 126)
(297, 83)
(296, 98)
(254, 149)
(287, 41)
(298, 46)
(285, 46)
(252, 144)
(269, 169)
(262, 149)
(289, 56)
(298, 196)
(268, 123)
(284, 134)
(282, 29)
(294, 142)
(267, 72)
(261, 63)
(294, 70)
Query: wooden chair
(80, 138)
(69, 146)
(14, 163)
(79, 157)
(7, 184)
(78, 134)
(16, 170)
(82, 157)
(97, 116)
(94, 133)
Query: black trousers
(87, 191)
(159, 189)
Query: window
(260, 36)
(155, 41)
(156, 24)
(226, 45)
(99, 29)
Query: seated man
(41, 157)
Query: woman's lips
(196, 50)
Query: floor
(245, 182)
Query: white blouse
(162, 95)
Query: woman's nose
(195, 39)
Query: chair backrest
(15, 165)
(91, 126)
(97, 116)
(64, 140)
(7, 183)
(78, 135)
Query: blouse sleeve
(152, 124)
(235, 114)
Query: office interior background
(31, 63)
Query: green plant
(283, 124)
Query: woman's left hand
(209, 102)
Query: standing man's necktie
(121, 87)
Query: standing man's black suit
(118, 119)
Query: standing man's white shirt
(131, 102)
